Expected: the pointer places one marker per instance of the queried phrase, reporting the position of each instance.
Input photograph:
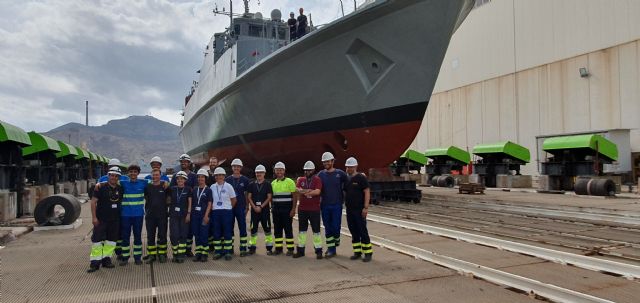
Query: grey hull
(386, 56)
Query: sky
(126, 57)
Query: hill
(133, 139)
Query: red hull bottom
(374, 147)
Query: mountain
(133, 139)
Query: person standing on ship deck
(293, 27)
(302, 24)
(156, 164)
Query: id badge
(258, 203)
(219, 203)
(198, 208)
(114, 205)
(177, 209)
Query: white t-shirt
(222, 195)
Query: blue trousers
(240, 216)
(222, 231)
(331, 218)
(201, 233)
(127, 224)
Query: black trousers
(263, 218)
(106, 231)
(305, 216)
(358, 229)
(178, 230)
(158, 223)
(282, 222)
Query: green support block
(415, 156)
(66, 150)
(605, 148)
(452, 152)
(507, 147)
(12, 133)
(40, 143)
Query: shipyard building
(524, 70)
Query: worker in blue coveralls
(156, 164)
(201, 200)
(192, 181)
(240, 184)
(334, 181)
(224, 199)
(131, 216)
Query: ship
(358, 86)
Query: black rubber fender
(582, 186)
(603, 187)
(44, 211)
(445, 181)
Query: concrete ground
(50, 266)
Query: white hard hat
(115, 171)
(181, 174)
(114, 162)
(219, 171)
(326, 156)
(184, 157)
(236, 161)
(203, 172)
(279, 165)
(156, 159)
(260, 169)
(351, 162)
(309, 165)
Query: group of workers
(206, 205)
(297, 26)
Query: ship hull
(357, 87)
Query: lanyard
(200, 193)
(179, 195)
(259, 187)
(219, 193)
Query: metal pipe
(342, 8)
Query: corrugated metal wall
(548, 99)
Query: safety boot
(106, 263)
(162, 258)
(367, 258)
(151, 259)
(299, 253)
(356, 256)
(94, 266)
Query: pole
(355, 6)
(86, 121)
(342, 8)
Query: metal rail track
(539, 211)
(524, 284)
(616, 243)
(626, 270)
